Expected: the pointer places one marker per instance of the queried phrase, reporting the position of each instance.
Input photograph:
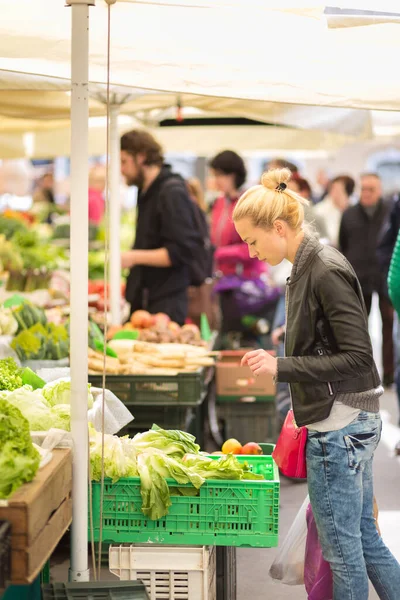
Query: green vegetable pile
(19, 460)
(28, 314)
(96, 265)
(47, 407)
(10, 374)
(49, 342)
(156, 456)
(30, 260)
(37, 339)
(9, 226)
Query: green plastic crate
(238, 399)
(225, 513)
(185, 389)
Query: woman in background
(243, 287)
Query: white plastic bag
(116, 415)
(288, 566)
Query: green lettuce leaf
(226, 467)
(173, 442)
(59, 392)
(154, 468)
(19, 460)
(33, 406)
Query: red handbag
(290, 449)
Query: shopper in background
(167, 238)
(360, 229)
(45, 189)
(335, 386)
(44, 204)
(303, 188)
(97, 184)
(330, 210)
(242, 286)
(201, 298)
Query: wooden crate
(40, 512)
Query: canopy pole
(79, 242)
(115, 218)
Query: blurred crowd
(242, 297)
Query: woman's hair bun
(271, 179)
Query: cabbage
(59, 392)
(119, 460)
(61, 416)
(19, 460)
(33, 406)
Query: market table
(39, 513)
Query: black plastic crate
(167, 417)
(98, 590)
(5, 554)
(184, 389)
(248, 422)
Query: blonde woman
(334, 384)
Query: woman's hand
(260, 362)
(128, 259)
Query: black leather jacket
(328, 348)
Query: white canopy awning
(228, 49)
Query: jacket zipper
(321, 353)
(286, 331)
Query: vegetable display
(42, 342)
(19, 460)
(28, 259)
(47, 407)
(28, 314)
(141, 358)
(159, 455)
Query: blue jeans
(339, 474)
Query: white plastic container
(168, 572)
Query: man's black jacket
(165, 219)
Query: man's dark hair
(304, 186)
(139, 141)
(348, 183)
(230, 163)
(281, 163)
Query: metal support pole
(115, 218)
(79, 570)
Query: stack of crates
(171, 401)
